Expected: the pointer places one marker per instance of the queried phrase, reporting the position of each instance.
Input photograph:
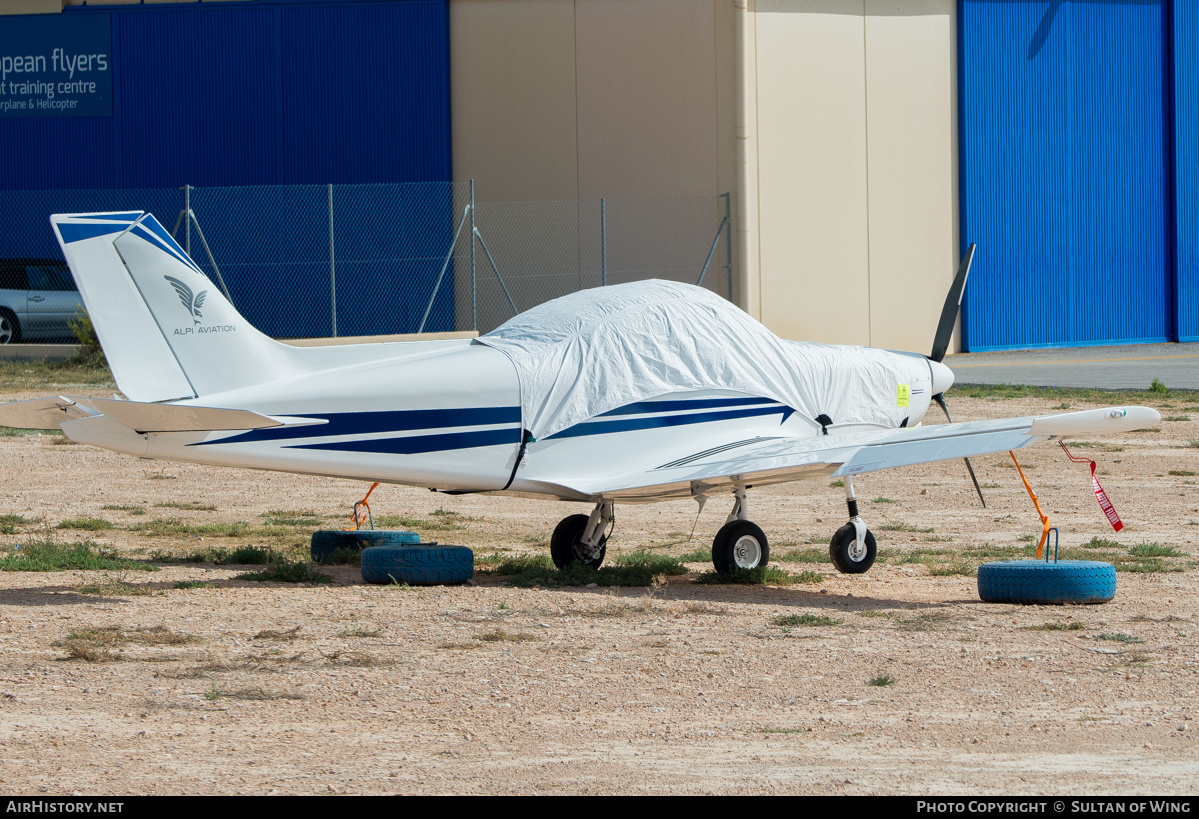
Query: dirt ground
(916, 687)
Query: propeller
(949, 317)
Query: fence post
(603, 244)
(474, 309)
(728, 243)
(187, 214)
(332, 267)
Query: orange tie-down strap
(1036, 503)
(357, 517)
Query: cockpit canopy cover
(596, 350)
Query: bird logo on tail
(191, 303)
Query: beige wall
(856, 172)
(31, 6)
(565, 99)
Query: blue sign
(56, 65)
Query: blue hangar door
(1065, 172)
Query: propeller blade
(940, 399)
(953, 303)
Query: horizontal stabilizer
(176, 417)
(40, 413)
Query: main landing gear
(582, 538)
(740, 543)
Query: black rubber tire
(417, 565)
(565, 542)
(10, 328)
(1035, 582)
(838, 550)
(728, 556)
(326, 542)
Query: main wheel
(10, 328)
(844, 552)
(566, 544)
(739, 544)
(1039, 583)
(328, 541)
(417, 565)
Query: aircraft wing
(763, 461)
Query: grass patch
(500, 636)
(1120, 637)
(85, 524)
(1182, 473)
(1147, 565)
(175, 527)
(1177, 418)
(440, 520)
(9, 523)
(1154, 550)
(839, 483)
(789, 620)
(635, 569)
(1073, 395)
(292, 517)
(132, 510)
(79, 371)
(359, 631)
(194, 584)
(881, 680)
(696, 556)
(288, 573)
(113, 587)
(93, 644)
(52, 556)
(655, 564)
(884, 500)
(761, 576)
(1058, 626)
(193, 506)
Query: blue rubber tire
(1035, 582)
(325, 543)
(417, 565)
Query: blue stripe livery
(364, 423)
(341, 424)
(625, 425)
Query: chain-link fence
(304, 261)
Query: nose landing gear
(852, 548)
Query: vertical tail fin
(167, 331)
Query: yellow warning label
(905, 394)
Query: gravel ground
(912, 686)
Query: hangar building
(863, 143)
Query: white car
(38, 298)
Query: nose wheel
(852, 548)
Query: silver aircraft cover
(595, 350)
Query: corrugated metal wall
(250, 94)
(1065, 172)
(1186, 167)
(246, 94)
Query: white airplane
(632, 393)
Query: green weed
(85, 524)
(881, 680)
(52, 556)
(1120, 638)
(761, 576)
(789, 620)
(288, 573)
(194, 584)
(1057, 626)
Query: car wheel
(1035, 582)
(10, 328)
